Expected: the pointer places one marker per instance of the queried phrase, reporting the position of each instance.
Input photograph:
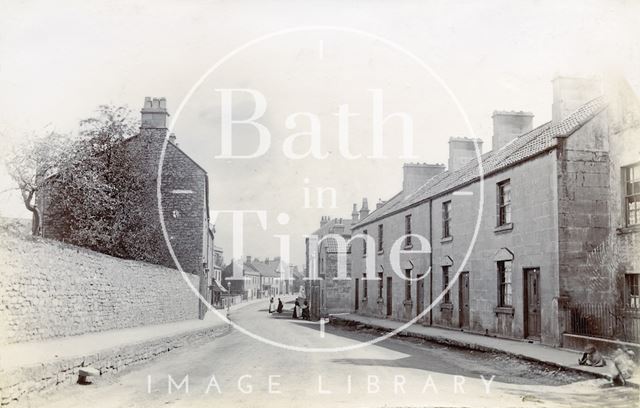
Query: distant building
(215, 264)
(248, 285)
(270, 272)
(325, 249)
(556, 254)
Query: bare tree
(32, 162)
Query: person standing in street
(271, 306)
(296, 310)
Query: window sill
(505, 310)
(380, 252)
(628, 230)
(446, 239)
(364, 299)
(503, 228)
(410, 246)
(380, 300)
(408, 302)
(446, 306)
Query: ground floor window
(445, 283)
(504, 284)
(632, 291)
(380, 284)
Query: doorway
(419, 295)
(357, 296)
(463, 300)
(532, 303)
(389, 296)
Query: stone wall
(19, 386)
(50, 289)
(583, 211)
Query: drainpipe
(430, 266)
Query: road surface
(238, 370)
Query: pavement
(563, 358)
(60, 349)
(240, 370)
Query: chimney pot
(354, 214)
(461, 151)
(154, 113)
(248, 258)
(364, 210)
(508, 125)
(416, 174)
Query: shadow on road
(437, 358)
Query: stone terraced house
(544, 246)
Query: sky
(440, 62)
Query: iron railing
(603, 320)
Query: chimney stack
(461, 151)
(323, 221)
(416, 174)
(154, 113)
(364, 210)
(248, 258)
(508, 125)
(570, 93)
(172, 138)
(354, 214)
(380, 203)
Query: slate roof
(522, 148)
(266, 269)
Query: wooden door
(532, 302)
(357, 296)
(463, 299)
(419, 295)
(389, 296)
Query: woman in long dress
(271, 306)
(280, 306)
(295, 310)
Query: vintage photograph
(322, 203)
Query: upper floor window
(364, 242)
(632, 291)
(380, 238)
(504, 283)
(407, 230)
(631, 176)
(446, 219)
(504, 202)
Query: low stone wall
(17, 386)
(50, 289)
